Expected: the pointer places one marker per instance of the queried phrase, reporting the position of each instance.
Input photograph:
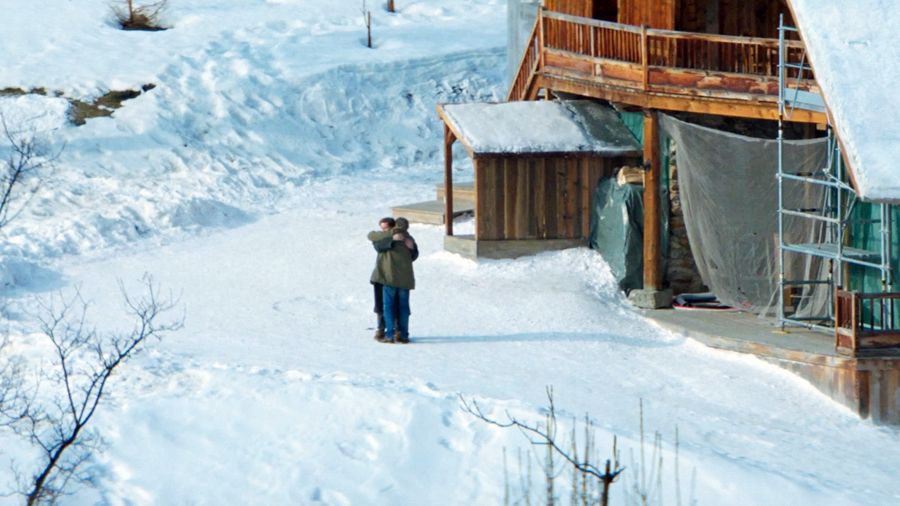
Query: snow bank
(168, 162)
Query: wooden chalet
(718, 58)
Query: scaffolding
(830, 220)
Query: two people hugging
(393, 278)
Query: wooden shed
(536, 165)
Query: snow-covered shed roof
(511, 128)
(856, 59)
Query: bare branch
(540, 436)
(146, 17)
(84, 360)
(21, 174)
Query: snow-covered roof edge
(857, 67)
(539, 127)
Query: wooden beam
(652, 277)
(698, 104)
(452, 126)
(680, 81)
(448, 179)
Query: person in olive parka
(394, 269)
(385, 224)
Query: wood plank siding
(652, 13)
(732, 17)
(583, 8)
(537, 197)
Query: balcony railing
(663, 62)
(866, 322)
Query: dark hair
(390, 222)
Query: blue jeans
(396, 311)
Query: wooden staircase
(432, 211)
(525, 85)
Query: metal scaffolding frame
(833, 216)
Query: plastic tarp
(729, 195)
(617, 221)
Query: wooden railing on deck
(866, 321)
(597, 39)
(720, 53)
(653, 60)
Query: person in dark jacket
(394, 269)
(386, 224)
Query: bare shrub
(54, 411)
(22, 172)
(146, 17)
(593, 480)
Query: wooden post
(645, 64)
(854, 321)
(652, 279)
(390, 6)
(607, 481)
(540, 34)
(448, 180)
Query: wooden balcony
(659, 69)
(865, 323)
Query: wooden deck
(432, 211)
(658, 69)
(461, 191)
(869, 385)
(469, 247)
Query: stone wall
(681, 271)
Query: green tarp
(617, 221)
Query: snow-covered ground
(247, 180)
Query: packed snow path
(247, 180)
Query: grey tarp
(729, 194)
(617, 221)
